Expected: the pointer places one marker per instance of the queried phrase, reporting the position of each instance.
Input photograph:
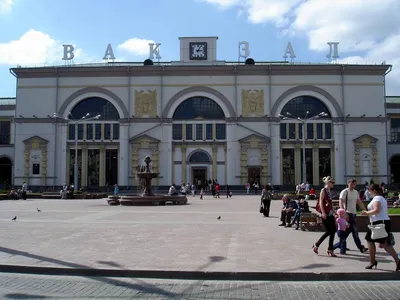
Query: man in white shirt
(348, 200)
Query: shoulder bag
(378, 231)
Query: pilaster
(297, 163)
(102, 168)
(214, 158)
(226, 165)
(43, 166)
(183, 150)
(264, 164)
(84, 166)
(316, 176)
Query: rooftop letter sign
(243, 49)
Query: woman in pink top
(342, 231)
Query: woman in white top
(378, 214)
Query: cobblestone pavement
(15, 286)
(92, 234)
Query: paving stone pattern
(14, 286)
(92, 234)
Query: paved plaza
(92, 234)
(16, 286)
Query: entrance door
(253, 175)
(199, 173)
(5, 173)
(112, 166)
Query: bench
(310, 222)
(51, 195)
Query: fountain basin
(152, 200)
(113, 200)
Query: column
(102, 180)
(338, 168)
(66, 171)
(214, 158)
(156, 164)
(226, 165)
(276, 163)
(333, 174)
(264, 165)
(43, 166)
(27, 163)
(243, 165)
(231, 154)
(297, 163)
(135, 161)
(183, 150)
(316, 177)
(123, 176)
(62, 156)
(172, 165)
(84, 166)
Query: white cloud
(136, 46)
(36, 48)
(368, 30)
(6, 5)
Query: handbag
(378, 231)
(261, 209)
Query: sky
(32, 32)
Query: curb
(200, 275)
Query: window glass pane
(395, 123)
(177, 131)
(115, 131)
(328, 130)
(292, 131)
(395, 134)
(310, 131)
(199, 131)
(300, 130)
(93, 167)
(319, 131)
(198, 107)
(36, 169)
(97, 133)
(71, 131)
(299, 106)
(209, 132)
(89, 131)
(221, 132)
(95, 106)
(5, 127)
(107, 131)
(80, 131)
(189, 131)
(283, 131)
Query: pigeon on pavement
(38, 210)
(13, 219)
(219, 218)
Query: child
(201, 193)
(342, 231)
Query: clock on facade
(198, 51)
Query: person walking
(348, 200)
(378, 214)
(266, 197)
(325, 208)
(24, 189)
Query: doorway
(199, 174)
(395, 170)
(254, 175)
(5, 173)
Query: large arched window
(199, 108)
(299, 106)
(199, 157)
(96, 106)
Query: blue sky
(32, 31)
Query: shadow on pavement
(147, 288)
(24, 296)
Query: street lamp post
(76, 122)
(304, 122)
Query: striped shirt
(341, 224)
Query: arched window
(299, 106)
(95, 106)
(199, 108)
(199, 157)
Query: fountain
(146, 196)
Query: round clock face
(198, 51)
